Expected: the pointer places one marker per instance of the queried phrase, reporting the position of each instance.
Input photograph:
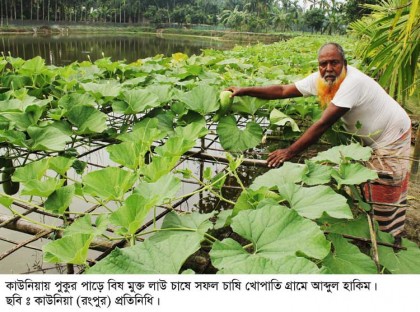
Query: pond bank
(223, 35)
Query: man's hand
(331, 114)
(278, 157)
(236, 91)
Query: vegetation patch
(147, 117)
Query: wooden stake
(375, 254)
(416, 158)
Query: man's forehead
(329, 51)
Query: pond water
(64, 49)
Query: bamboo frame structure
(205, 152)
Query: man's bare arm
(267, 92)
(311, 136)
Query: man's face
(330, 64)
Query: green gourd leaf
(346, 258)
(47, 138)
(150, 257)
(136, 101)
(353, 174)
(201, 99)
(313, 202)
(110, 183)
(110, 88)
(276, 231)
(87, 119)
(280, 119)
(194, 224)
(131, 215)
(234, 139)
(401, 262)
(335, 155)
(290, 172)
(70, 249)
(87, 225)
(60, 199)
(163, 189)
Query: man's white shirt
(382, 119)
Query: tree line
(244, 15)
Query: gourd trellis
(207, 153)
(36, 99)
(82, 110)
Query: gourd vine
(110, 156)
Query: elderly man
(367, 111)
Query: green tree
(280, 20)
(334, 20)
(285, 15)
(232, 18)
(356, 9)
(390, 44)
(314, 19)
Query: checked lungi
(388, 194)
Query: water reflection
(231, 189)
(62, 50)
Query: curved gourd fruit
(225, 99)
(3, 161)
(9, 187)
(225, 103)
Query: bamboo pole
(16, 243)
(24, 243)
(375, 253)
(246, 161)
(33, 229)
